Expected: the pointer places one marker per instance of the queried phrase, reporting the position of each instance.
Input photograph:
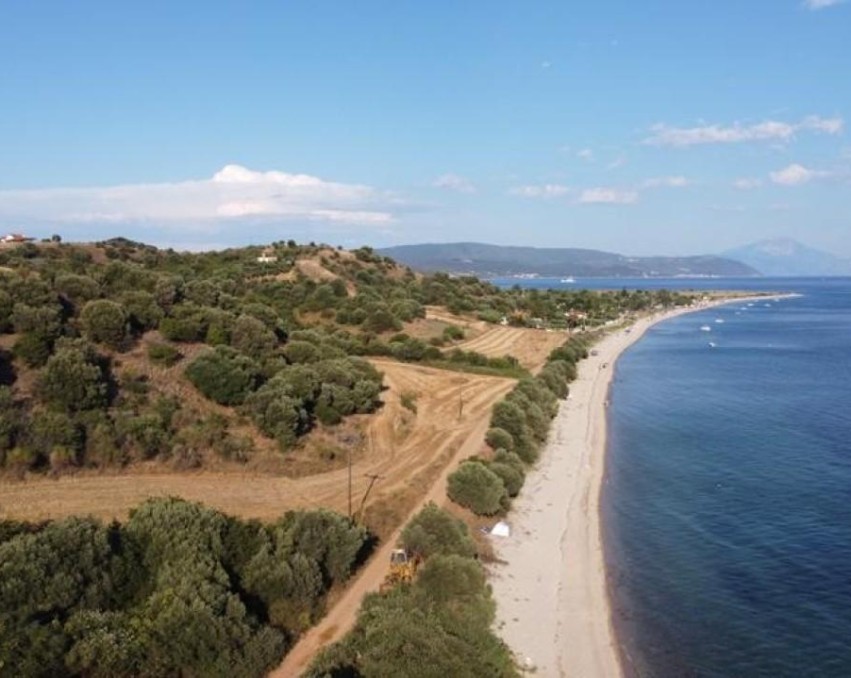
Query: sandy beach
(550, 582)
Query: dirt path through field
(411, 453)
(402, 448)
(342, 617)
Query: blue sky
(640, 127)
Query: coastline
(549, 582)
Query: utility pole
(372, 478)
(350, 483)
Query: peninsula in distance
(775, 257)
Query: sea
(727, 497)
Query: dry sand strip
(550, 586)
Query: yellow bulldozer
(403, 567)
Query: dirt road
(404, 449)
(411, 453)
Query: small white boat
(705, 328)
(750, 304)
(712, 344)
(568, 279)
(767, 305)
(720, 321)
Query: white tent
(501, 529)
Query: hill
(119, 354)
(786, 257)
(495, 260)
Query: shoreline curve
(549, 581)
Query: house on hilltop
(267, 256)
(13, 238)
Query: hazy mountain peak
(788, 257)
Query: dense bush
(224, 375)
(72, 380)
(164, 354)
(433, 531)
(476, 487)
(286, 406)
(105, 322)
(499, 439)
(440, 626)
(178, 590)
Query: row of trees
(179, 589)
(519, 426)
(436, 627)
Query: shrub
(301, 352)
(408, 399)
(78, 289)
(453, 333)
(433, 531)
(381, 320)
(223, 375)
(164, 354)
(104, 322)
(511, 477)
(509, 458)
(477, 488)
(33, 348)
(252, 338)
(499, 439)
(143, 311)
(71, 381)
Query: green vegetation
(178, 590)
(476, 487)
(434, 532)
(440, 624)
(519, 426)
(409, 401)
(93, 326)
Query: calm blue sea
(727, 502)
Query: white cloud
(769, 130)
(607, 196)
(453, 182)
(617, 163)
(666, 182)
(747, 183)
(545, 64)
(821, 4)
(232, 192)
(543, 191)
(585, 154)
(795, 175)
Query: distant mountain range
(785, 257)
(494, 260)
